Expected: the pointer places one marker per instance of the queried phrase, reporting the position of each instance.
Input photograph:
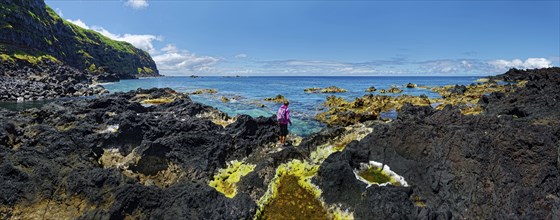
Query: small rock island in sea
(482, 151)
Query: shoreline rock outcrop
(46, 80)
(502, 163)
(118, 156)
(163, 156)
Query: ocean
(249, 92)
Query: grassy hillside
(31, 31)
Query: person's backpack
(281, 115)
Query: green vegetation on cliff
(31, 31)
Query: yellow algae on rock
(112, 158)
(375, 173)
(65, 127)
(467, 97)
(226, 180)
(293, 201)
(277, 99)
(312, 90)
(217, 117)
(291, 195)
(60, 207)
(333, 89)
(158, 101)
(354, 133)
(368, 107)
(149, 99)
(202, 91)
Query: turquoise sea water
(250, 91)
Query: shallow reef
(277, 99)
(204, 91)
(366, 108)
(330, 89)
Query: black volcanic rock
(503, 163)
(122, 159)
(44, 80)
(59, 148)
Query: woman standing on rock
(283, 117)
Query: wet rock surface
(499, 164)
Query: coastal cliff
(41, 51)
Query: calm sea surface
(250, 91)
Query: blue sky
(330, 37)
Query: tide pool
(250, 92)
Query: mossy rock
(277, 99)
(203, 91)
(366, 108)
(333, 89)
(395, 90)
(371, 89)
(312, 90)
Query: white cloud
(241, 56)
(59, 12)
(169, 48)
(137, 4)
(529, 63)
(142, 41)
(169, 59)
(78, 22)
(175, 62)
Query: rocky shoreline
(47, 80)
(151, 154)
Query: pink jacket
(283, 110)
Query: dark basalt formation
(57, 156)
(115, 158)
(45, 80)
(503, 163)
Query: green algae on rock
(371, 89)
(291, 188)
(226, 179)
(378, 174)
(467, 97)
(202, 91)
(330, 89)
(292, 194)
(217, 117)
(368, 107)
(312, 90)
(277, 99)
(333, 89)
(395, 90)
